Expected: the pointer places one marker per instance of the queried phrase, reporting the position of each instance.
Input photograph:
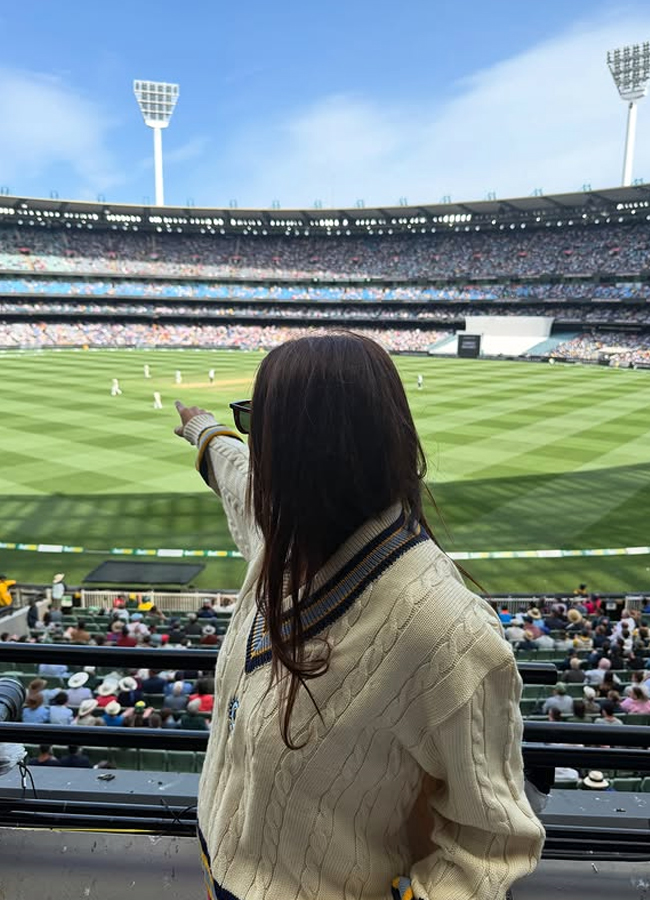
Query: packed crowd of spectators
(240, 337)
(622, 349)
(568, 250)
(133, 288)
(602, 657)
(340, 312)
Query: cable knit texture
(410, 780)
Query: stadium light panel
(630, 69)
(157, 100)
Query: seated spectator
(136, 626)
(515, 633)
(635, 663)
(54, 614)
(167, 719)
(563, 642)
(60, 712)
(78, 689)
(112, 715)
(615, 698)
(638, 703)
(607, 684)
(599, 636)
(138, 716)
(554, 714)
(184, 679)
(575, 621)
(178, 699)
(595, 781)
(125, 639)
(583, 640)
(77, 634)
(75, 759)
(559, 700)
(591, 706)
(555, 621)
(176, 634)
(544, 642)
(593, 605)
(531, 628)
(159, 615)
(35, 712)
(579, 712)
(206, 611)
(38, 686)
(155, 720)
(210, 637)
(637, 680)
(204, 693)
(596, 676)
(575, 675)
(191, 718)
(106, 693)
(145, 604)
(45, 757)
(85, 716)
(505, 615)
(607, 710)
(53, 671)
(154, 683)
(129, 692)
(193, 626)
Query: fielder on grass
(157, 400)
(115, 388)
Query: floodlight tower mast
(157, 100)
(630, 68)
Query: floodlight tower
(157, 100)
(630, 68)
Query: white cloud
(548, 117)
(46, 128)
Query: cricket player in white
(211, 376)
(179, 377)
(420, 382)
(115, 388)
(157, 401)
(147, 373)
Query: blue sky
(332, 101)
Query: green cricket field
(522, 457)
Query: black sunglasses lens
(243, 420)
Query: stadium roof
(624, 204)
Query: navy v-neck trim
(329, 602)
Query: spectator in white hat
(130, 692)
(113, 715)
(106, 693)
(595, 781)
(86, 710)
(78, 690)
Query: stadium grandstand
(92, 274)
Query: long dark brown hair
(332, 445)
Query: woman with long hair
(366, 740)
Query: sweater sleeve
(484, 832)
(222, 461)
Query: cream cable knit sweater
(415, 769)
